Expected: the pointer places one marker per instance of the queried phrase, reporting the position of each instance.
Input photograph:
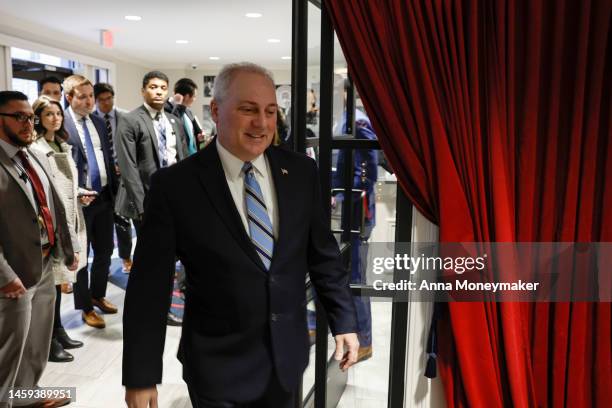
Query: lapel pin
(284, 171)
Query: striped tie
(260, 227)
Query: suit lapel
(7, 163)
(73, 133)
(212, 178)
(281, 178)
(146, 118)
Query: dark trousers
(99, 222)
(57, 319)
(275, 396)
(123, 229)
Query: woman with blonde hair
(51, 140)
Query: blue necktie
(92, 163)
(260, 227)
(162, 150)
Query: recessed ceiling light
(273, 40)
(182, 41)
(253, 15)
(214, 58)
(133, 18)
(286, 58)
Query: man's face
(246, 118)
(53, 91)
(188, 100)
(11, 130)
(105, 101)
(82, 99)
(155, 93)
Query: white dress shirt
(95, 140)
(232, 166)
(170, 135)
(11, 151)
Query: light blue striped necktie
(162, 148)
(260, 227)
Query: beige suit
(26, 323)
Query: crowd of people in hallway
(76, 171)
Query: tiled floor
(96, 369)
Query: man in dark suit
(97, 184)
(107, 111)
(260, 228)
(147, 139)
(34, 235)
(185, 94)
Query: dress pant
(99, 221)
(123, 229)
(26, 325)
(275, 396)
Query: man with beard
(33, 235)
(97, 178)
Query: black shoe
(174, 320)
(57, 354)
(65, 340)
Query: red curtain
(495, 116)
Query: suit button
(272, 279)
(274, 317)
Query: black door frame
(328, 387)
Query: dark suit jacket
(241, 322)
(178, 110)
(136, 147)
(80, 156)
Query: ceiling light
(286, 58)
(182, 41)
(214, 58)
(133, 18)
(273, 40)
(253, 15)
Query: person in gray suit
(147, 139)
(34, 234)
(107, 111)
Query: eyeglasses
(20, 117)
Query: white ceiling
(213, 28)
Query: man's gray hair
(229, 72)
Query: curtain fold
(495, 116)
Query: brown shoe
(104, 305)
(49, 403)
(127, 265)
(364, 353)
(66, 288)
(93, 319)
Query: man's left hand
(347, 347)
(75, 263)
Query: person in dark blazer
(34, 236)
(107, 111)
(185, 94)
(147, 139)
(260, 230)
(97, 183)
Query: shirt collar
(77, 118)
(152, 112)
(111, 114)
(10, 149)
(233, 165)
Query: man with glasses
(33, 230)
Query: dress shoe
(127, 265)
(65, 340)
(66, 288)
(104, 305)
(93, 319)
(364, 353)
(174, 320)
(57, 354)
(49, 403)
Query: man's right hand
(13, 290)
(141, 397)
